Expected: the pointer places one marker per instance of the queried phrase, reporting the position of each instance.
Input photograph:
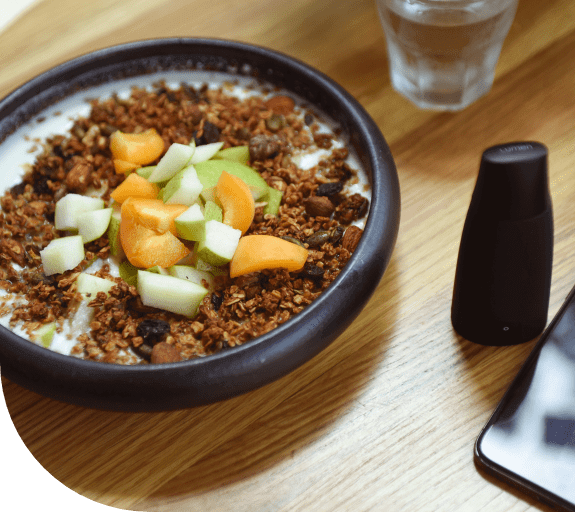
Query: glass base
(443, 91)
(441, 99)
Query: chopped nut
(78, 179)
(282, 105)
(276, 122)
(262, 146)
(351, 238)
(318, 206)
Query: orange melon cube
(258, 252)
(122, 167)
(148, 233)
(153, 213)
(237, 201)
(144, 248)
(136, 148)
(135, 186)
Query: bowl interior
(31, 111)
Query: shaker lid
(513, 181)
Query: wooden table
(387, 416)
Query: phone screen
(530, 439)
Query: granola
(321, 209)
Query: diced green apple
(213, 211)
(219, 243)
(274, 199)
(188, 259)
(174, 160)
(204, 266)
(145, 172)
(170, 293)
(209, 173)
(128, 273)
(183, 188)
(239, 154)
(89, 285)
(208, 194)
(193, 260)
(258, 193)
(114, 232)
(92, 225)
(70, 206)
(205, 152)
(62, 254)
(190, 225)
(45, 334)
(158, 270)
(193, 275)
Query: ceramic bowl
(268, 357)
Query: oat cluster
(316, 212)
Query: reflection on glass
(533, 434)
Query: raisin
(152, 330)
(191, 93)
(308, 119)
(200, 141)
(329, 189)
(41, 184)
(342, 173)
(318, 239)
(243, 133)
(336, 234)
(210, 133)
(57, 151)
(170, 96)
(217, 300)
(362, 210)
(50, 213)
(312, 271)
(17, 190)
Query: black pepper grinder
(503, 275)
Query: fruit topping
(259, 252)
(135, 186)
(236, 200)
(136, 148)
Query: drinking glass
(443, 53)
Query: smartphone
(529, 441)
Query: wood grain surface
(385, 418)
